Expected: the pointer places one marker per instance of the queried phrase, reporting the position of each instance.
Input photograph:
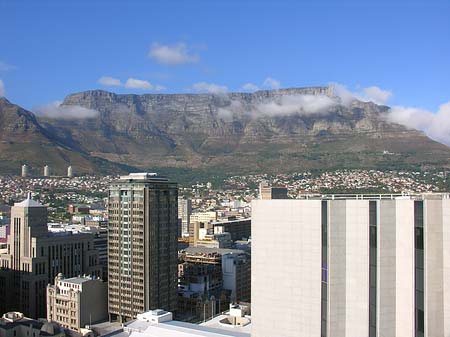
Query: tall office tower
(142, 245)
(47, 171)
(24, 171)
(70, 172)
(35, 257)
(351, 266)
(184, 214)
(272, 192)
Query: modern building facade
(77, 301)
(184, 214)
(267, 192)
(142, 245)
(346, 266)
(34, 257)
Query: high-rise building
(25, 171)
(34, 257)
(351, 266)
(184, 214)
(47, 171)
(272, 192)
(142, 245)
(70, 172)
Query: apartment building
(142, 245)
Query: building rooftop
(143, 176)
(78, 280)
(28, 202)
(166, 327)
(207, 250)
(393, 196)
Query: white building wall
(396, 268)
(348, 268)
(437, 269)
(286, 273)
(446, 266)
(337, 268)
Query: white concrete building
(160, 323)
(344, 266)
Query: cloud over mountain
(175, 54)
(55, 110)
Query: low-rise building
(16, 324)
(77, 301)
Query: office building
(267, 192)
(77, 301)
(238, 228)
(351, 266)
(184, 214)
(34, 257)
(142, 245)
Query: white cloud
(6, 67)
(2, 88)
(281, 106)
(210, 88)
(134, 83)
(435, 125)
(109, 81)
(377, 95)
(57, 111)
(249, 87)
(131, 83)
(370, 94)
(271, 83)
(296, 104)
(172, 54)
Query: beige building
(34, 257)
(77, 301)
(142, 245)
(267, 192)
(351, 266)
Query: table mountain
(273, 131)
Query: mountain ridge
(266, 131)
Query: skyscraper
(142, 245)
(184, 214)
(351, 266)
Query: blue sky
(49, 49)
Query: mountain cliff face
(266, 131)
(23, 140)
(276, 130)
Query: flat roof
(177, 328)
(142, 176)
(207, 250)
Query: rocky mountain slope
(266, 131)
(23, 140)
(278, 130)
